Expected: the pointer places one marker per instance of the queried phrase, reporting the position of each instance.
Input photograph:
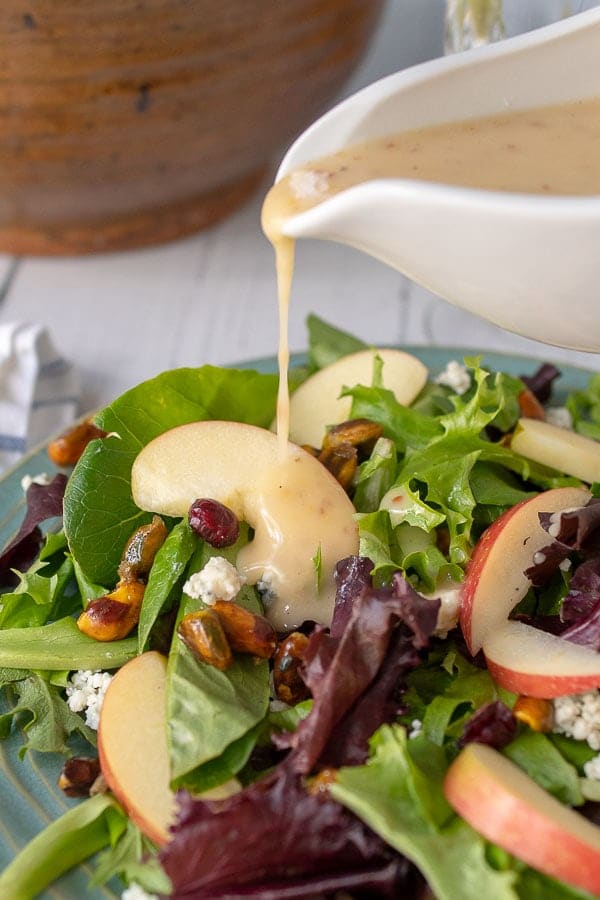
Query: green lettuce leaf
(167, 570)
(448, 471)
(76, 835)
(536, 754)
(133, 857)
(61, 646)
(209, 710)
(398, 794)
(99, 512)
(45, 717)
(584, 407)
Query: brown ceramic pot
(127, 122)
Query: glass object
(471, 23)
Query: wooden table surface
(211, 298)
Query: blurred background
(102, 247)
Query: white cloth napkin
(39, 390)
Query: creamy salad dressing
(296, 521)
(552, 150)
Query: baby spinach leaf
(59, 646)
(537, 756)
(208, 709)
(168, 567)
(217, 771)
(99, 512)
(326, 344)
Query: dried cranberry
(214, 522)
(492, 724)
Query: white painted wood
(124, 317)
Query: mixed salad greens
(342, 787)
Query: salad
(432, 728)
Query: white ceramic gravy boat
(528, 263)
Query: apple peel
(495, 580)
(528, 661)
(507, 807)
(132, 744)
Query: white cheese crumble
(455, 376)
(27, 480)
(85, 693)
(578, 716)
(137, 892)
(218, 580)
(591, 768)
(416, 726)
(559, 416)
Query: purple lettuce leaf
(492, 724)
(577, 529)
(44, 501)
(584, 591)
(540, 383)
(275, 840)
(586, 631)
(576, 535)
(343, 678)
(352, 575)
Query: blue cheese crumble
(85, 693)
(455, 376)
(591, 768)
(218, 580)
(578, 716)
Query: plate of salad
(434, 731)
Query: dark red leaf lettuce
(44, 501)
(584, 591)
(356, 680)
(576, 536)
(274, 840)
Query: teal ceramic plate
(29, 798)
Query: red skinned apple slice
(317, 404)
(503, 804)
(495, 580)
(297, 509)
(528, 661)
(132, 744)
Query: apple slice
(495, 580)
(317, 404)
(132, 744)
(508, 808)
(559, 448)
(528, 661)
(302, 518)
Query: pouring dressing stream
(496, 222)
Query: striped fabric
(39, 390)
